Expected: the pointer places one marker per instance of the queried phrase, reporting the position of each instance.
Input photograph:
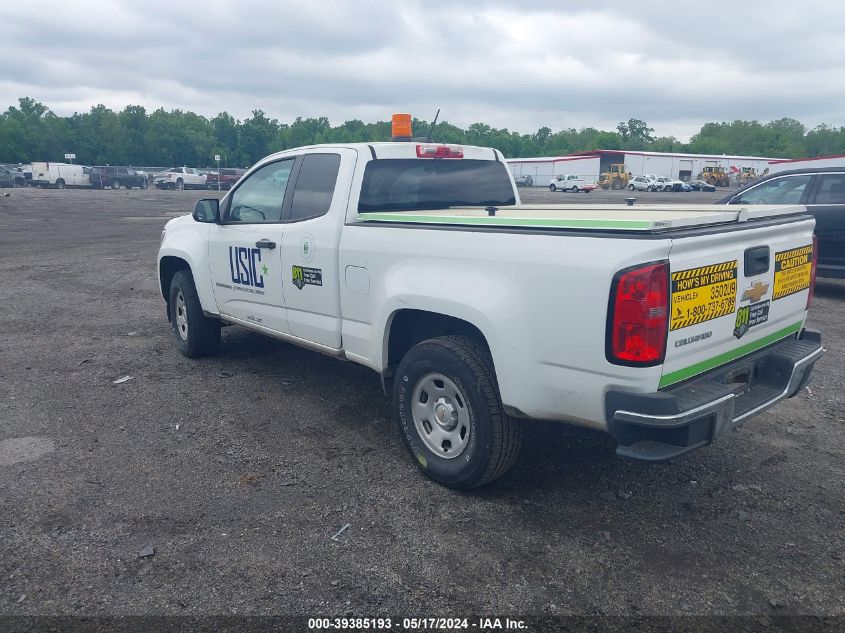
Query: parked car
(60, 175)
(117, 177)
(568, 182)
(664, 183)
(181, 178)
(524, 181)
(11, 177)
(640, 183)
(700, 185)
(227, 176)
(822, 191)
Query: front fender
(187, 240)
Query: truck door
(244, 251)
(310, 245)
(827, 204)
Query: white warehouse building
(590, 164)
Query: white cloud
(515, 66)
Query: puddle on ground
(24, 449)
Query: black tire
(115, 184)
(180, 185)
(552, 187)
(494, 437)
(574, 189)
(617, 185)
(631, 187)
(60, 184)
(201, 335)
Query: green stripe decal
(721, 359)
(502, 221)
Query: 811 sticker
(793, 269)
(702, 294)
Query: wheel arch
(168, 266)
(406, 327)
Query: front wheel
(115, 184)
(447, 406)
(574, 189)
(196, 335)
(180, 185)
(631, 187)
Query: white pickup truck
(180, 178)
(663, 326)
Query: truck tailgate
(734, 292)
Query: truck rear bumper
(660, 426)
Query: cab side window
(831, 189)
(315, 185)
(259, 198)
(786, 190)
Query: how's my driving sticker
(704, 293)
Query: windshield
(412, 184)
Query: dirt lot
(239, 469)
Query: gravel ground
(238, 469)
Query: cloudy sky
(519, 65)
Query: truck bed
(654, 218)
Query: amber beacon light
(402, 127)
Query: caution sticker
(703, 294)
(793, 269)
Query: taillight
(439, 151)
(812, 291)
(638, 321)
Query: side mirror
(207, 210)
(735, 200)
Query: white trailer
(60, 175)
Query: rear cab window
(399, 184)
(831, 189)
(315, 184)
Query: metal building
(590, 164)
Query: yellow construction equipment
(715, 176)
(616, 178)
(748, 174)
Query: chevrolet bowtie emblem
(756, 292)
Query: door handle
(265, 244)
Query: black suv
(822, 191)
(115, 177)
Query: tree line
(30, 131)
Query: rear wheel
(180, 184)
(667, 188)
(447, 405)
(552, 188)
(60, 184)
(617, 185)
(196, 335)
(574, 189)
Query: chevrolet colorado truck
(663, 326)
